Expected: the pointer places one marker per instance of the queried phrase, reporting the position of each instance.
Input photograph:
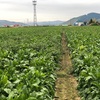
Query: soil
(66, 84)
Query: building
(79, 23)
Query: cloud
(15, 6)
(66, 11)
(49, 9)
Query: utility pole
(34, 14)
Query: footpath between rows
(66, 84)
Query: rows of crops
(28, 59)
(84, 44)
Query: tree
(91, 21)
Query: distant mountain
(5, 22)
(58, 22)
(83, 18)
(44, 23)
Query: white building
(78, 23)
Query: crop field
(29, 57)
(84, 44)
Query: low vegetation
(28, 59)
(84, 44)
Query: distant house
(16, 25)
(6, 25)
(79, 23)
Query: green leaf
(88, 78)
(7, 90)
(4, 79)
(17, 81)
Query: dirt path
(66, 84)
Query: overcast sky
(47, 10)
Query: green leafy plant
(84, 44)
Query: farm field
(29, 57)
(84, 45)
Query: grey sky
(47, 10)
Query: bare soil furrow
(66, 84)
